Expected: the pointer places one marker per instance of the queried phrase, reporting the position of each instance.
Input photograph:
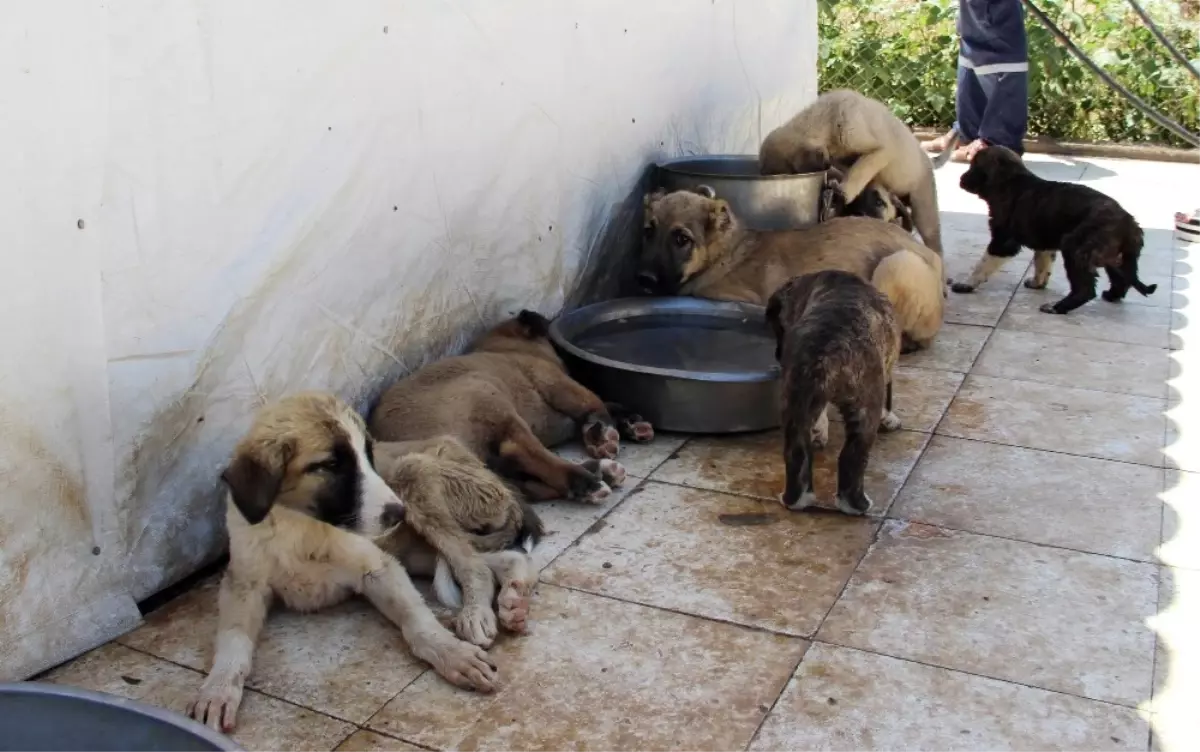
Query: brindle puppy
(837, 340)
(1091, 230)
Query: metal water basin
(760, 202)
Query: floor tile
(920, 397)
(1047, 617)
(1181, 520)
(600, 674)
(847, 699)
(328, 661)
(723, 557)
(1131, 324)
(752, 465)
(984, 307)
(565, 521)
(954, 349)
(1074, 362)
(1081, 503)
(262, 722)
(637, 459)
(369, 741)
(1177, 669)
(1076, 421)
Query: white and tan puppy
(843, 126)
(302, 500)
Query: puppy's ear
(720, 219)
(534, 324)
(705, 191)
(649, 199)
(254, 483)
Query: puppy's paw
(806, 500)
(889, 422)
(610, 471)
(599, 495)
(1032, 283)
(854, 505)
(584, 483)
(1049, 308)
(962, 287)
(513, 605)
(637, 430)
(476, 625)
(217, 704)
(601, 441)
(463, 664)
(1111, 297)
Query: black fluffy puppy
(1090, 229)
(837, 340)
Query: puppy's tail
(1132, 250)
(444, 587)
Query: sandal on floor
(939, 144)
(1187, 226)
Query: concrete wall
(208, 204)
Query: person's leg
(970, 102)
(1006, 116)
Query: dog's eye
(324, 466)
(680, 239)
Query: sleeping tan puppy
(302, 500)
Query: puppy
(1089, 228)
(459, 519)
(837, 340)
(302, 500)
(694, 245)
(506, 400)
(875, 201)
(843, 126)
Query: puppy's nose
(647, 281)
(392, 515)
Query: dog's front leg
(862, 172)
(998, 252)
(241, 610)
(387, 586)
(516, 574)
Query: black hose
(1175, 53)
(1132, 98)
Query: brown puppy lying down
(303, 504)
(837, 340)
(507, 399)
(459, 520)
(695, 246)
(1091, 230)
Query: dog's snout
(648, 281)
(392, 515)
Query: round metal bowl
(760, 202)
(37, 716)
(684, 364)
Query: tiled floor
(1029, 577)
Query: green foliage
(904, 53)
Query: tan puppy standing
(843, 126)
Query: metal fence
(904, 53)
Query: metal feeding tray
(684, 364)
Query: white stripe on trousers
(984, 70)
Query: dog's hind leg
(521, 450)
(630, 425)
(241, 611)
(998, 252)
(861, 427)
(1082, 278)
(925, 215)
(1043, 265)
(890, 421)
(798, 492)
(517, 576)
(1118, 285)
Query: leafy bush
(904, 53)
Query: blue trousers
(992, 98)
